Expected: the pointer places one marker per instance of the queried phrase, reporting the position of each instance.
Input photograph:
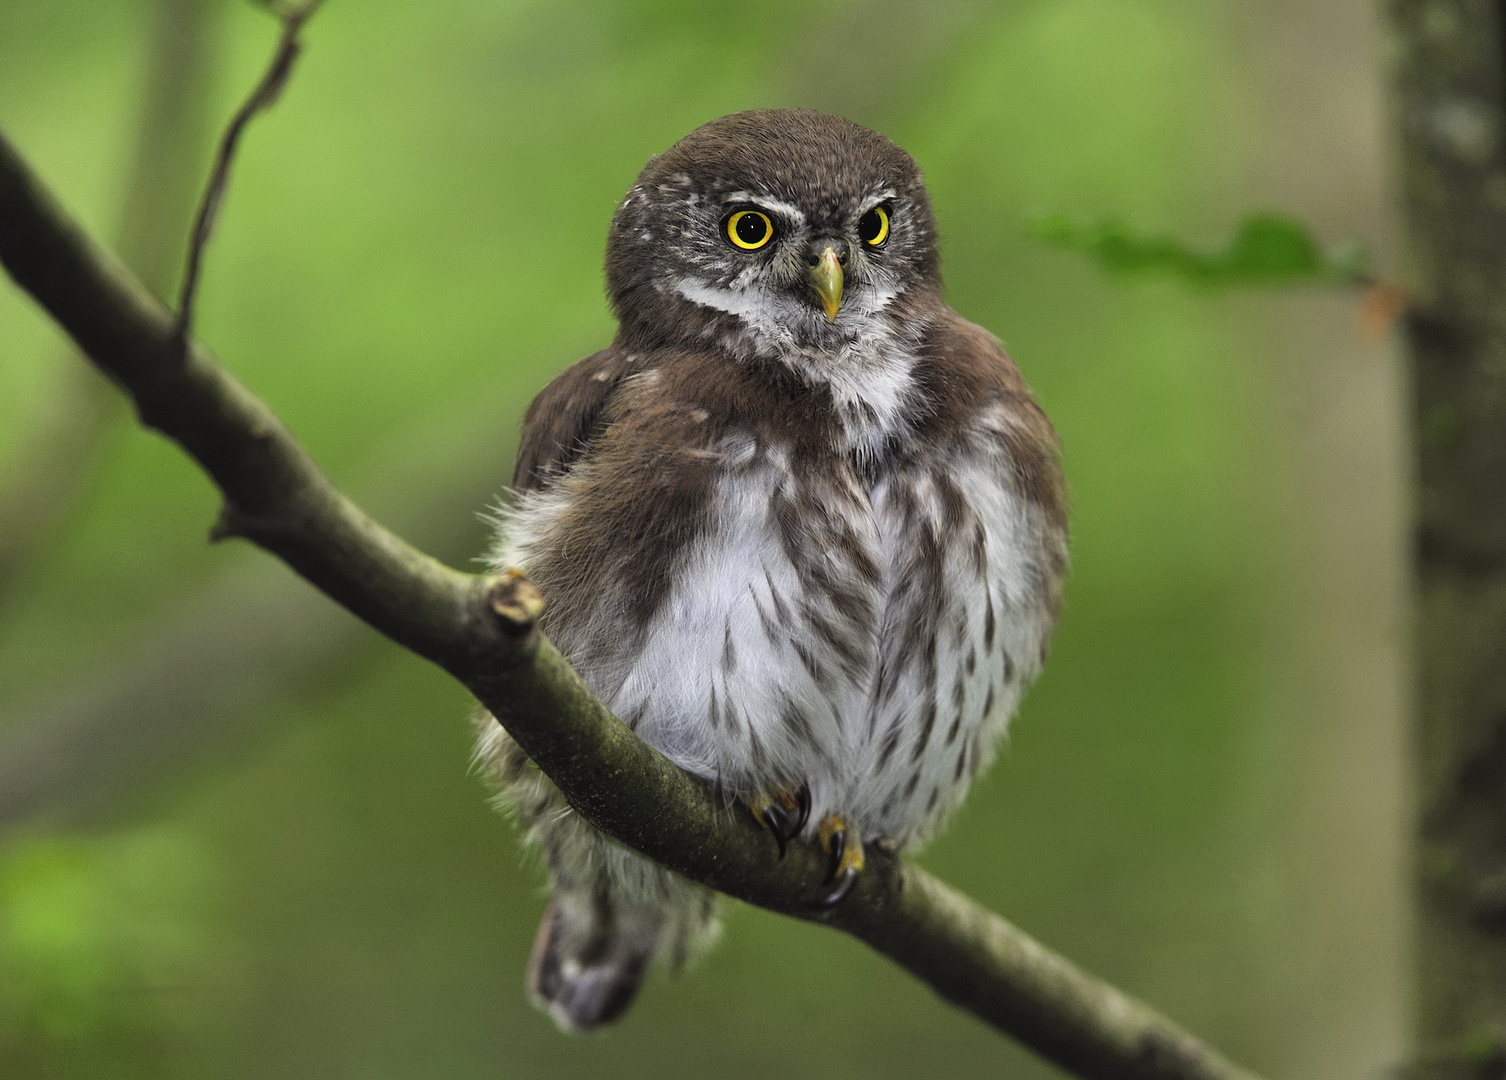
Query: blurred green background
(238, 835)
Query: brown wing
(966, 369)
(564, 417)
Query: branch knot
(516, 602)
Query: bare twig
(277, 497)
(264, 96)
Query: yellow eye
(750, 229)
(873, 229)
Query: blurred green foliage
(418, 228)
(107, 947)
(1266, 249)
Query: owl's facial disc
(724, 240)
(804, 270)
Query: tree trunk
(1451, 97)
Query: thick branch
(1450, 84)
(479, 630)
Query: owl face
(771, 232)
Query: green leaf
(1266, 249)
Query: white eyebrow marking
(768, 202)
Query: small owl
(801, 526)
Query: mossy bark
(1451, 112)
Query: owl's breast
(764, 649)
(867, 636)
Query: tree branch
(1449, 76)
(480, 630)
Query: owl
(801, 526)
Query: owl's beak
(826, 276)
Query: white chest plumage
(885, 692)
(868, 638)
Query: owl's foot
(784, 814)
(841, 841)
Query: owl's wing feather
(967, 373)
(565, 417)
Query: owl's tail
(590, 957)
(614, 913)
(596, 944)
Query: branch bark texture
(1451, 96)
(481, 631)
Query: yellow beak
(826, 276)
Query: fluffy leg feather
(613, 913)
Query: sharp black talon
(803, 803)
(772, 821)
(838, 843)
(844, 886)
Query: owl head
(772, 232)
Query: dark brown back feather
(965, 370)
(566, 416)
